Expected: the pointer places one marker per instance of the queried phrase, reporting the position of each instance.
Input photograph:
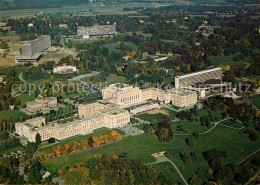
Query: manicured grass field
(112, 46)
(112, 78)
(26, 97)
(18, 148)
(141, 147)
(256, 101)
(189, 127)
(219, 60)
(155, 117)
(15, 114)
(18, 69)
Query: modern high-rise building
(31, 50)
(201, 76)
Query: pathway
(22, 79)
(78, 78)
(215, 124)
(161, 159)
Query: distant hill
(32, 4)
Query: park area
(234, 141)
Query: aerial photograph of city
(130, 92)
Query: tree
(189, 141)
(38, 139)
(30, 148)
(34, 175)
(51, 140)
(195, 180)
(78, 175)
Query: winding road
(163, 159)
(22, 79)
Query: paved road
(202, 133)
(163, 159)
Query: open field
(26, 97)
(112, 78)
(227, 60)
(14, 47)
(18, 69)
(15, 114)
(112, 46)
(256, 101)
(7, 61)
(83, 9)
(235, 142)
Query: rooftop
(200, 72)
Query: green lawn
(256, 100)
(219, 60)
(155, 117)
(112, 46)
(15, 114)
(17, 148)
(26, 97)
(190, 127)
(112, 78)
(235, 142)
(150, 117)
(18, 69)
(99, 132)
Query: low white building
(103, 116)
(65, 69)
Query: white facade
(110, 117)
(121, 94)
(65, 69)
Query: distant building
(96, 31)
(65, 69)
(201, 76)
(31, 50)
(2, 24)
(41, 103)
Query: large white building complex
(121, 94)
(110, 112)
(31, 50)
(201, 76)
(92, 117)
(65, 69)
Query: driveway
(163, 159)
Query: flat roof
(199, 72)
(35, 40)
